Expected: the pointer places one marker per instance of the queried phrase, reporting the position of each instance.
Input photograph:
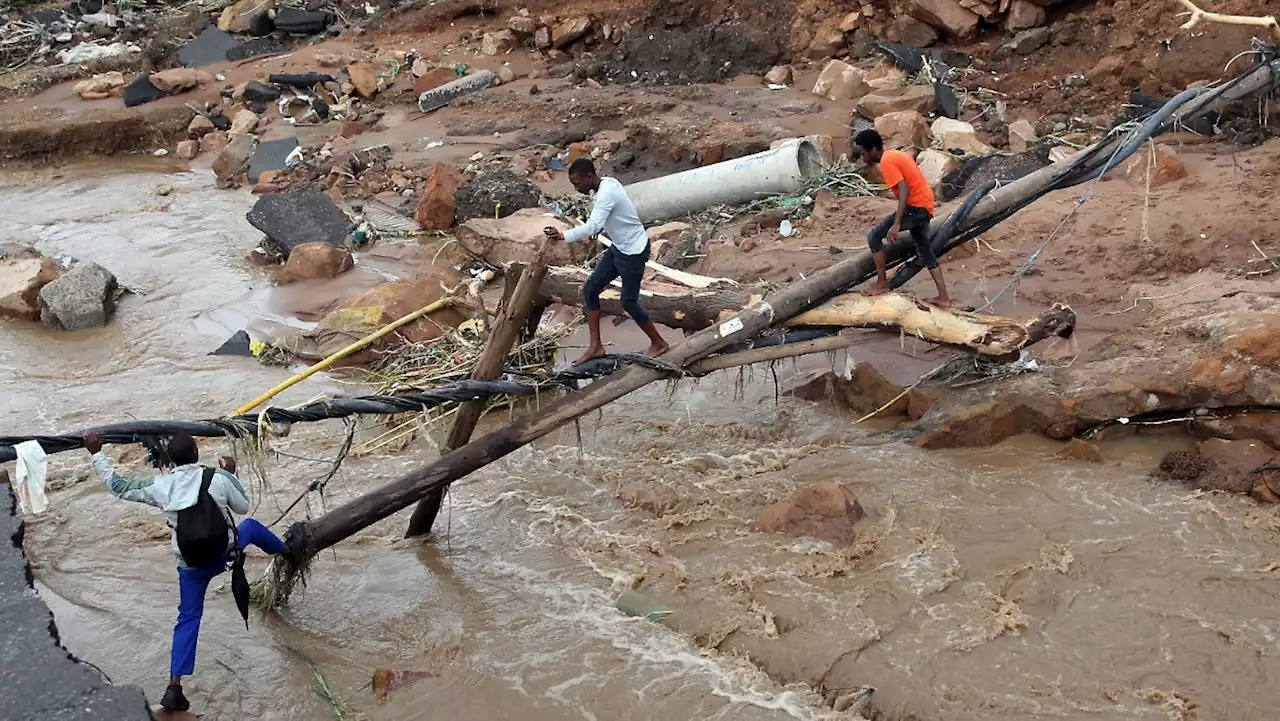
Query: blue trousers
(192, 584)
(613, 263)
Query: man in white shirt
(614, 214)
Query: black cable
(153, 433)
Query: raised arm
(138, 491)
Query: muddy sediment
(989, 571)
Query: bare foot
(941, 302)
(591, 354)
(876, 289)
(656, 350)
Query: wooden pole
(508, 324)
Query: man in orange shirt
(915, 211)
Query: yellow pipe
(358, 345)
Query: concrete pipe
(783, 169)
(437, 98)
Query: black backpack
(203, 530)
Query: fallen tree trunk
(697, 309)
(672, 306)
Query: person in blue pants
(172, 492)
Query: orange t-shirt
(897, 166)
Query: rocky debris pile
(84, 297)
(494, 195)
(1219, 351)
(827, 511)
(827, 29)
(70, 35)
(708, 54)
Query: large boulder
(918, 98)
(515, 238)
(1147, 172)
(436, 207)
(1022, 135)
(946, 15)
(840, 81)
(101, 86)
(906, 130)
(826, 510)
(364, 77)
(23, 272)
(375, 308)
(959, 136)
(84, 297)
(568, 32)
(495, 194)
(936, 165)
(313, 261)
(293, 219)
(1024, 15)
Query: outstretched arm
(138, 491)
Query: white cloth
(615, 215)
(175, 491)
(28, 482)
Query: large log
(510, 322)
(697, 309)
(670, 305)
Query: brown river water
(987, 584)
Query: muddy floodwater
(986, 584)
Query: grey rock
(270, 155)
(83, 298)
(291, 219)
(1029, 41)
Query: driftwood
(508, 325)
(1198, 16)
(697, 309)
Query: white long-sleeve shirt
(615, 215)
(175, 491)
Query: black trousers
(916, 220)
(613, 263)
